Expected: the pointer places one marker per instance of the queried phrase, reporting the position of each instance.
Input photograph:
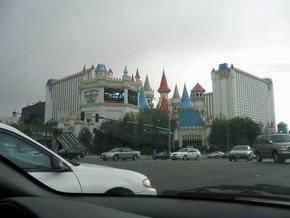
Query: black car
(164, 155)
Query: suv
(241, 152)
(276, 146)
(185, 154)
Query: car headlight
(146, 183)
(283, 148)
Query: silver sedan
(120, 153)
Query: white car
(61, 175)
(241, 152)
(186, 154)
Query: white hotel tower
(240, 94)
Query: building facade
(31, 112)
(237, 93)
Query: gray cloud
(50, 39)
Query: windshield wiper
(232, 191)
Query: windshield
(183, 150)
(146, 96)
(280, 138)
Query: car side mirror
(58, 165)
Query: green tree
(85, 136)
(131, 131)
(234, 131)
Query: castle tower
(142, 99)
(149, 93)
(163, 88)
(197, 98)
(164, 105)
(175, 101)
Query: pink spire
(232, 66)
(213, 70)
(163, 83)
(164, 105)
(92, 67)
(110, 70)
(132, 78)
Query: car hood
(98, 179)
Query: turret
(197, 98)
(163, 88)
(175, 100)
(149, 93)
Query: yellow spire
(147, 86)
(176, 93)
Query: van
(275, 146)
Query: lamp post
(169, 132)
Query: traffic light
(97, 118)
(82, 115)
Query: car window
(280, 138)
(23, 154)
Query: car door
(191, 154)
(128, 153)
(37, 162)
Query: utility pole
(169, 132)
(228, 137)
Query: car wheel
(184, 157)
(135, 157)
(197, 157)
(230, 159)
(105, 159)
(154, 158)
(275, 157)
(116, 157)
(259, 158)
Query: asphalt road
(182, 175)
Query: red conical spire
(92, 67)
(198, 87)
(137, 76)
(213, 70)
(110, 70)
(164, 106)
(163, 84)
(132, 78)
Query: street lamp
(169, 132)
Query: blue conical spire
(142, 99)
(185, 99)
(125, 70)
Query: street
(182, 175)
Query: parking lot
(181, 175)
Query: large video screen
(132, 97)
(113, 95)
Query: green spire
(176, 93)
(147, 86)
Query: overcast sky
(51, 39)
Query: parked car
(123, 153)
(227, 154)
(186, 154)
(164, 155)
(276, 146)
(62, 175)
(216, 155)
(241, 152)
